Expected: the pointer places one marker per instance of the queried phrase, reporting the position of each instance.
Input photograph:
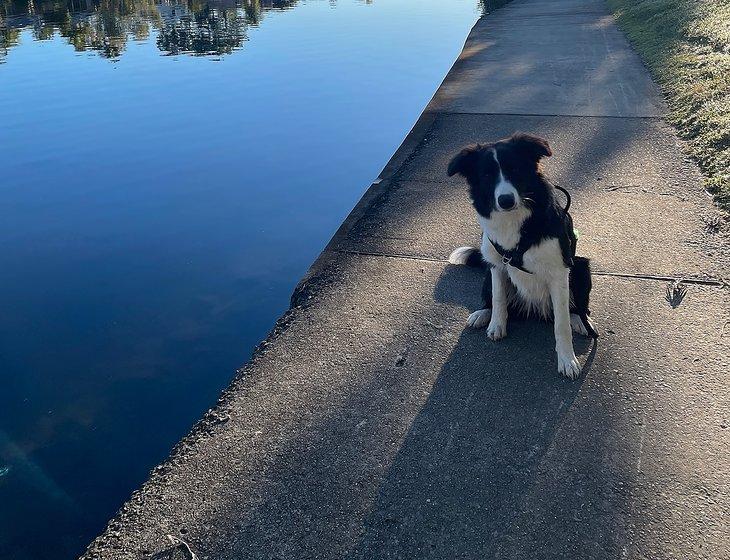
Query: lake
(168, 172)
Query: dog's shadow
(472, 454)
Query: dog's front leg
(498, 323)
(560, 295)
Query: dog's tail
(469, 256)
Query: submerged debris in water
(4, 471)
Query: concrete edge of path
(369, 198)
(311, 281)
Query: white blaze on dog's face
(502, 176)
(506, 197)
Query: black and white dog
(528, 242)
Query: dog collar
(511, 258)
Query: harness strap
(511, 258)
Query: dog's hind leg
(580, 291)
(481, 317)
(577, 324)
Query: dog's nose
(506, 201)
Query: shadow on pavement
(472, 455)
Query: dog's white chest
(544, 262)
(532, 291)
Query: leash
(567, 196)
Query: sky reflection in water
(169, 171)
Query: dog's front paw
(497, 329)
(568, 365)
(479, 318)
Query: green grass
(686, 45)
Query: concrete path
(372, 425)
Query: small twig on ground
(178, 541)
(180, 550)
(675, 293)
(637, 188)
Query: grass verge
(686, 45)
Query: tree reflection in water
(190, 26)
(196, 27)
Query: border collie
(528, 243)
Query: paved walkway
(372, 425)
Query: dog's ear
(464, 162)
(534, 146)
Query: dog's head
(504, 175)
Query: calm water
(168, 171)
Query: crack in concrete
(711, 281)
(556, 115)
